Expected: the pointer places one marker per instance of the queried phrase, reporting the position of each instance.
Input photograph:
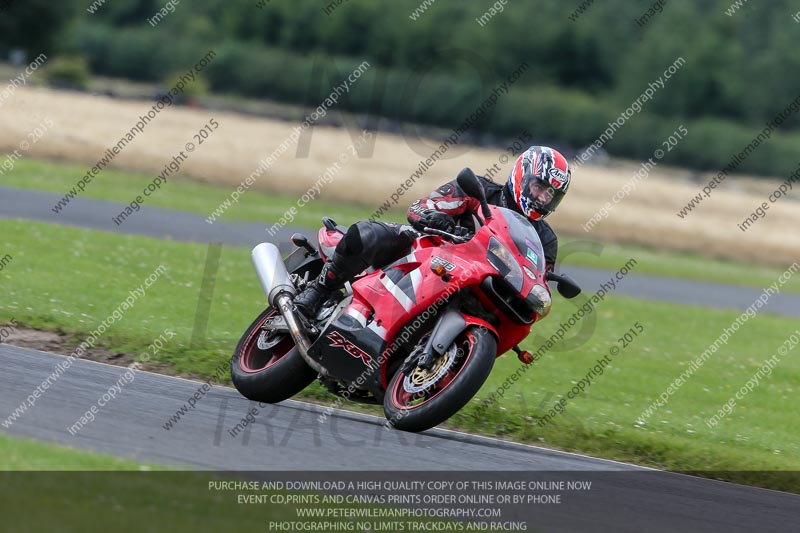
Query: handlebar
(458, 239)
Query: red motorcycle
(419, 335)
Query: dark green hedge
(561, 117)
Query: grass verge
(84, 491)
(81, 491)
(23, 454)
(70, 280)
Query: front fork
(448, 327)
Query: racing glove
(436, 220)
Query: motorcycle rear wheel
(272, 372)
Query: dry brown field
(86, 125)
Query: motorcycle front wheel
(424, 399)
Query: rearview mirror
(567, 287)
(469, 183)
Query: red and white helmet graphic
(539, 181)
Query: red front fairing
(396, 295)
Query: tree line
(584, 71)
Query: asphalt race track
(183, 226)
(290, 436)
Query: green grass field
(23, 454)
(70, 279)
(83, 491)
(188, 195)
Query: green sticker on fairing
(533, 257)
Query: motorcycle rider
(536, 184)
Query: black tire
(467, 380)
(268, 376)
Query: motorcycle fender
(450, 325)
(474, 321)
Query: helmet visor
(540, 196)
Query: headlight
(505, 263)
(540, 300)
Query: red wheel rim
(408, 401)
(254, 359)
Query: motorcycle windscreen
(525, 238)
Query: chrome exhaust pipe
(271, 272)
(280, 290)
(284, 306)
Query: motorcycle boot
(309, 302)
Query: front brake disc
(420, 379)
